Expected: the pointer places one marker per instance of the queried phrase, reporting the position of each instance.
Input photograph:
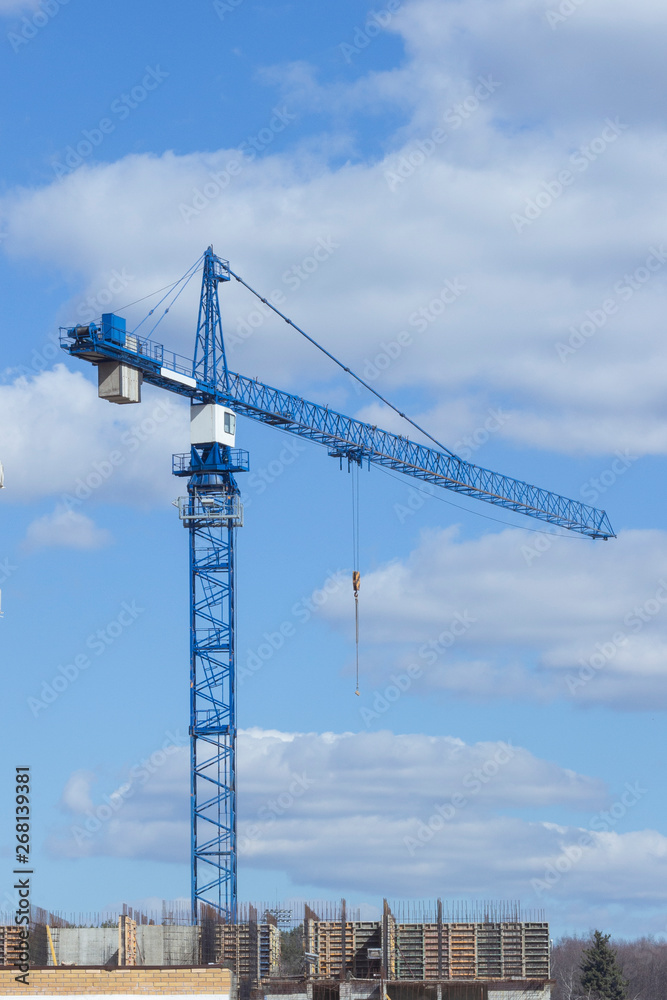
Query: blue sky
(504, 149)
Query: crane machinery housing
(212, 511)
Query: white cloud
(521, 615)
(144, 817)
(375, 810)
(8, 7)
(448, 218)
(83, 449)
(76, 793)
(66, 528)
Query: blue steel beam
(210, 363)
(212, 511)
(342, 435)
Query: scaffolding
(434, 951)
(251, 950)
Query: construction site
(485, 953)
(473, 952)
(333, 564)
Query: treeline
(643, 963)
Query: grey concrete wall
(505, 994)
(156, 945)
(84, 945)
(357, 990)
(170, 945)
(283, 996)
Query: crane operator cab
(211, 422)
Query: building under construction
(434, 951)
(427, 953)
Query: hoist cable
(355, 515)
(356, 575)
(341, 365)
(356, 639)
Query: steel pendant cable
(184, 281)
(341, 365)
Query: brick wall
(132, 981)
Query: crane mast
(212, 511)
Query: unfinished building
(432, 954)
(251, 950)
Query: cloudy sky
(465, 202)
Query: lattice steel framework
(210, 362)
(211, 512)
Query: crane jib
(343, 435)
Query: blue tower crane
(212, 511)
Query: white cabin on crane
(211, 423)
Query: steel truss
(211, 512)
